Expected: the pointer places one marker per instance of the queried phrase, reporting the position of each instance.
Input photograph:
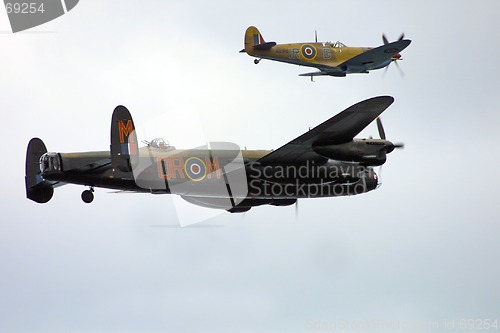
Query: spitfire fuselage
(309, 54)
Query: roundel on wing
(393, 50)
(308, 51)
(195, 169)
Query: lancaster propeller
(389, 146)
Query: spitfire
(326, 161)
(333, 59)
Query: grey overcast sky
(420, 252)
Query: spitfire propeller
(396, 57)
(384, 38)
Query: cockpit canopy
(160, 143)
(335, 44)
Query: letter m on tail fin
(123, 139)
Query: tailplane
(37, 189)
(255, 41)
(123, 139)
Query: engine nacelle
(283, 202)
(247, 204)
(367, 152)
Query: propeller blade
(316, 35)
(399, 69)
(384, 38)
(385, 70)
(297, 209)
(380, 127)
(402, 36)
(379, 177)
(399, 145)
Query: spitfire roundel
(308, 51)
(393, 50)
(195, 169)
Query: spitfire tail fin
(255, 41)
(123, 139)
(37, 189)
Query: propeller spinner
(396, 57)
(389, 146)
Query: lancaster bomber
(325, 161)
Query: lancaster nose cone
(389, 147)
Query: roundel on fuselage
(308, 51)
(195, 169)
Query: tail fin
(37, 189)
(254, 40)
(123, 139)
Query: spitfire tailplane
(123, 139)
(255, 41)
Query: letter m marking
(124, 130)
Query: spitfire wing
(376, 56)
(339, 129)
